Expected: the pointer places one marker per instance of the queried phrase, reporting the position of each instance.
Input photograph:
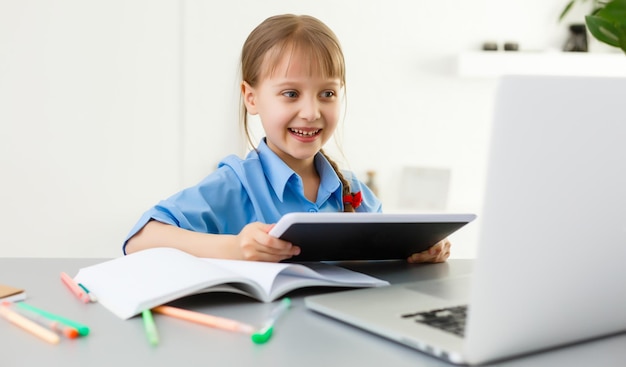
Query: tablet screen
(365, 236)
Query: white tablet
(365, 236)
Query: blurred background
(106, 107)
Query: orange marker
(28, 325)
(204, 319)
(73, 286)
(53, 325)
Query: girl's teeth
(305, 133)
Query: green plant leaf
(614, 11)
(566, 10)
(606, 22)
(609, 24)
(603, 30)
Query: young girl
(293, 74)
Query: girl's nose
(309, 110)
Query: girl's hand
(436, 254)
(256, 244)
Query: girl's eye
(290, 94)
(328, 94)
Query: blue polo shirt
(259, 188)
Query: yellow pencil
(28, 325)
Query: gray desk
(302, 338)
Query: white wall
(107, 107)
(89, 113)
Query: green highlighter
(265, 333)
(150, 327)
(82, 329)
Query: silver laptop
(551, 263)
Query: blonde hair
(272, 39)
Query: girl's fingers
(437, 253)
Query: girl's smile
(305, 134)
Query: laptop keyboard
(450, 319)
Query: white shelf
(498, 63)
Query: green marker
(82, 329)
(265, 333)
(150, 327)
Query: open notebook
(129, 284)
(552, 250)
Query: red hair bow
(353, 199)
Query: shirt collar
(329, 181)
(278, 173)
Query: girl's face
(299, 110)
